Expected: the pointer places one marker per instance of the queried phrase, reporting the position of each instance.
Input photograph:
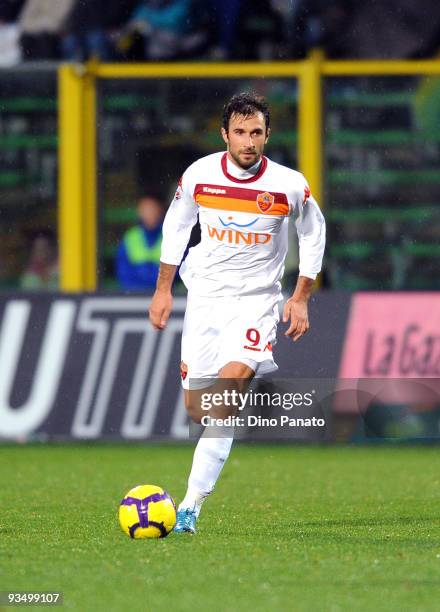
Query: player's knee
(193, 408)
(236, 370)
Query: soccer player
(244, 202)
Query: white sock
(209, 458)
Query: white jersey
(244, 223)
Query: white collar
(241, 173)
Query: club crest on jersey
(265, 201)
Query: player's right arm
(162, 302)
(179, 221)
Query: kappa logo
(265, 201)
(214, 190)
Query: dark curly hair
(246, 104)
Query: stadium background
(357, 109)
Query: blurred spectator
(170, 29)
(219, 29)
(85, 33)
(251, 29)
(384, 29)
(10, 52)
(118, 16)
(120, 12)
(304, 27)
(138, 255)
(42, 269)
(41, 22)
(10, 9)
(259, 32)
(226, 14)
(391, 29)
(202, 31)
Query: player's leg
(247, 335)
(194, 403)
(246, 331)
(234, 375)
(213, 447)
(198, 370)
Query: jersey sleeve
(179, 221)
(310, 226)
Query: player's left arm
(310, 225)
(296, 309)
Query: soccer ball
(147, 511)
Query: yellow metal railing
(77, 127)
(77, 179)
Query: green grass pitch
(288, 528)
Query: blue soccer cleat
(186, 521)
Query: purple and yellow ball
(147, 511)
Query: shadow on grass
(329, 531)
(369, 522)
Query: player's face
(245, 139)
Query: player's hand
(160, 309)
(297, 311)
